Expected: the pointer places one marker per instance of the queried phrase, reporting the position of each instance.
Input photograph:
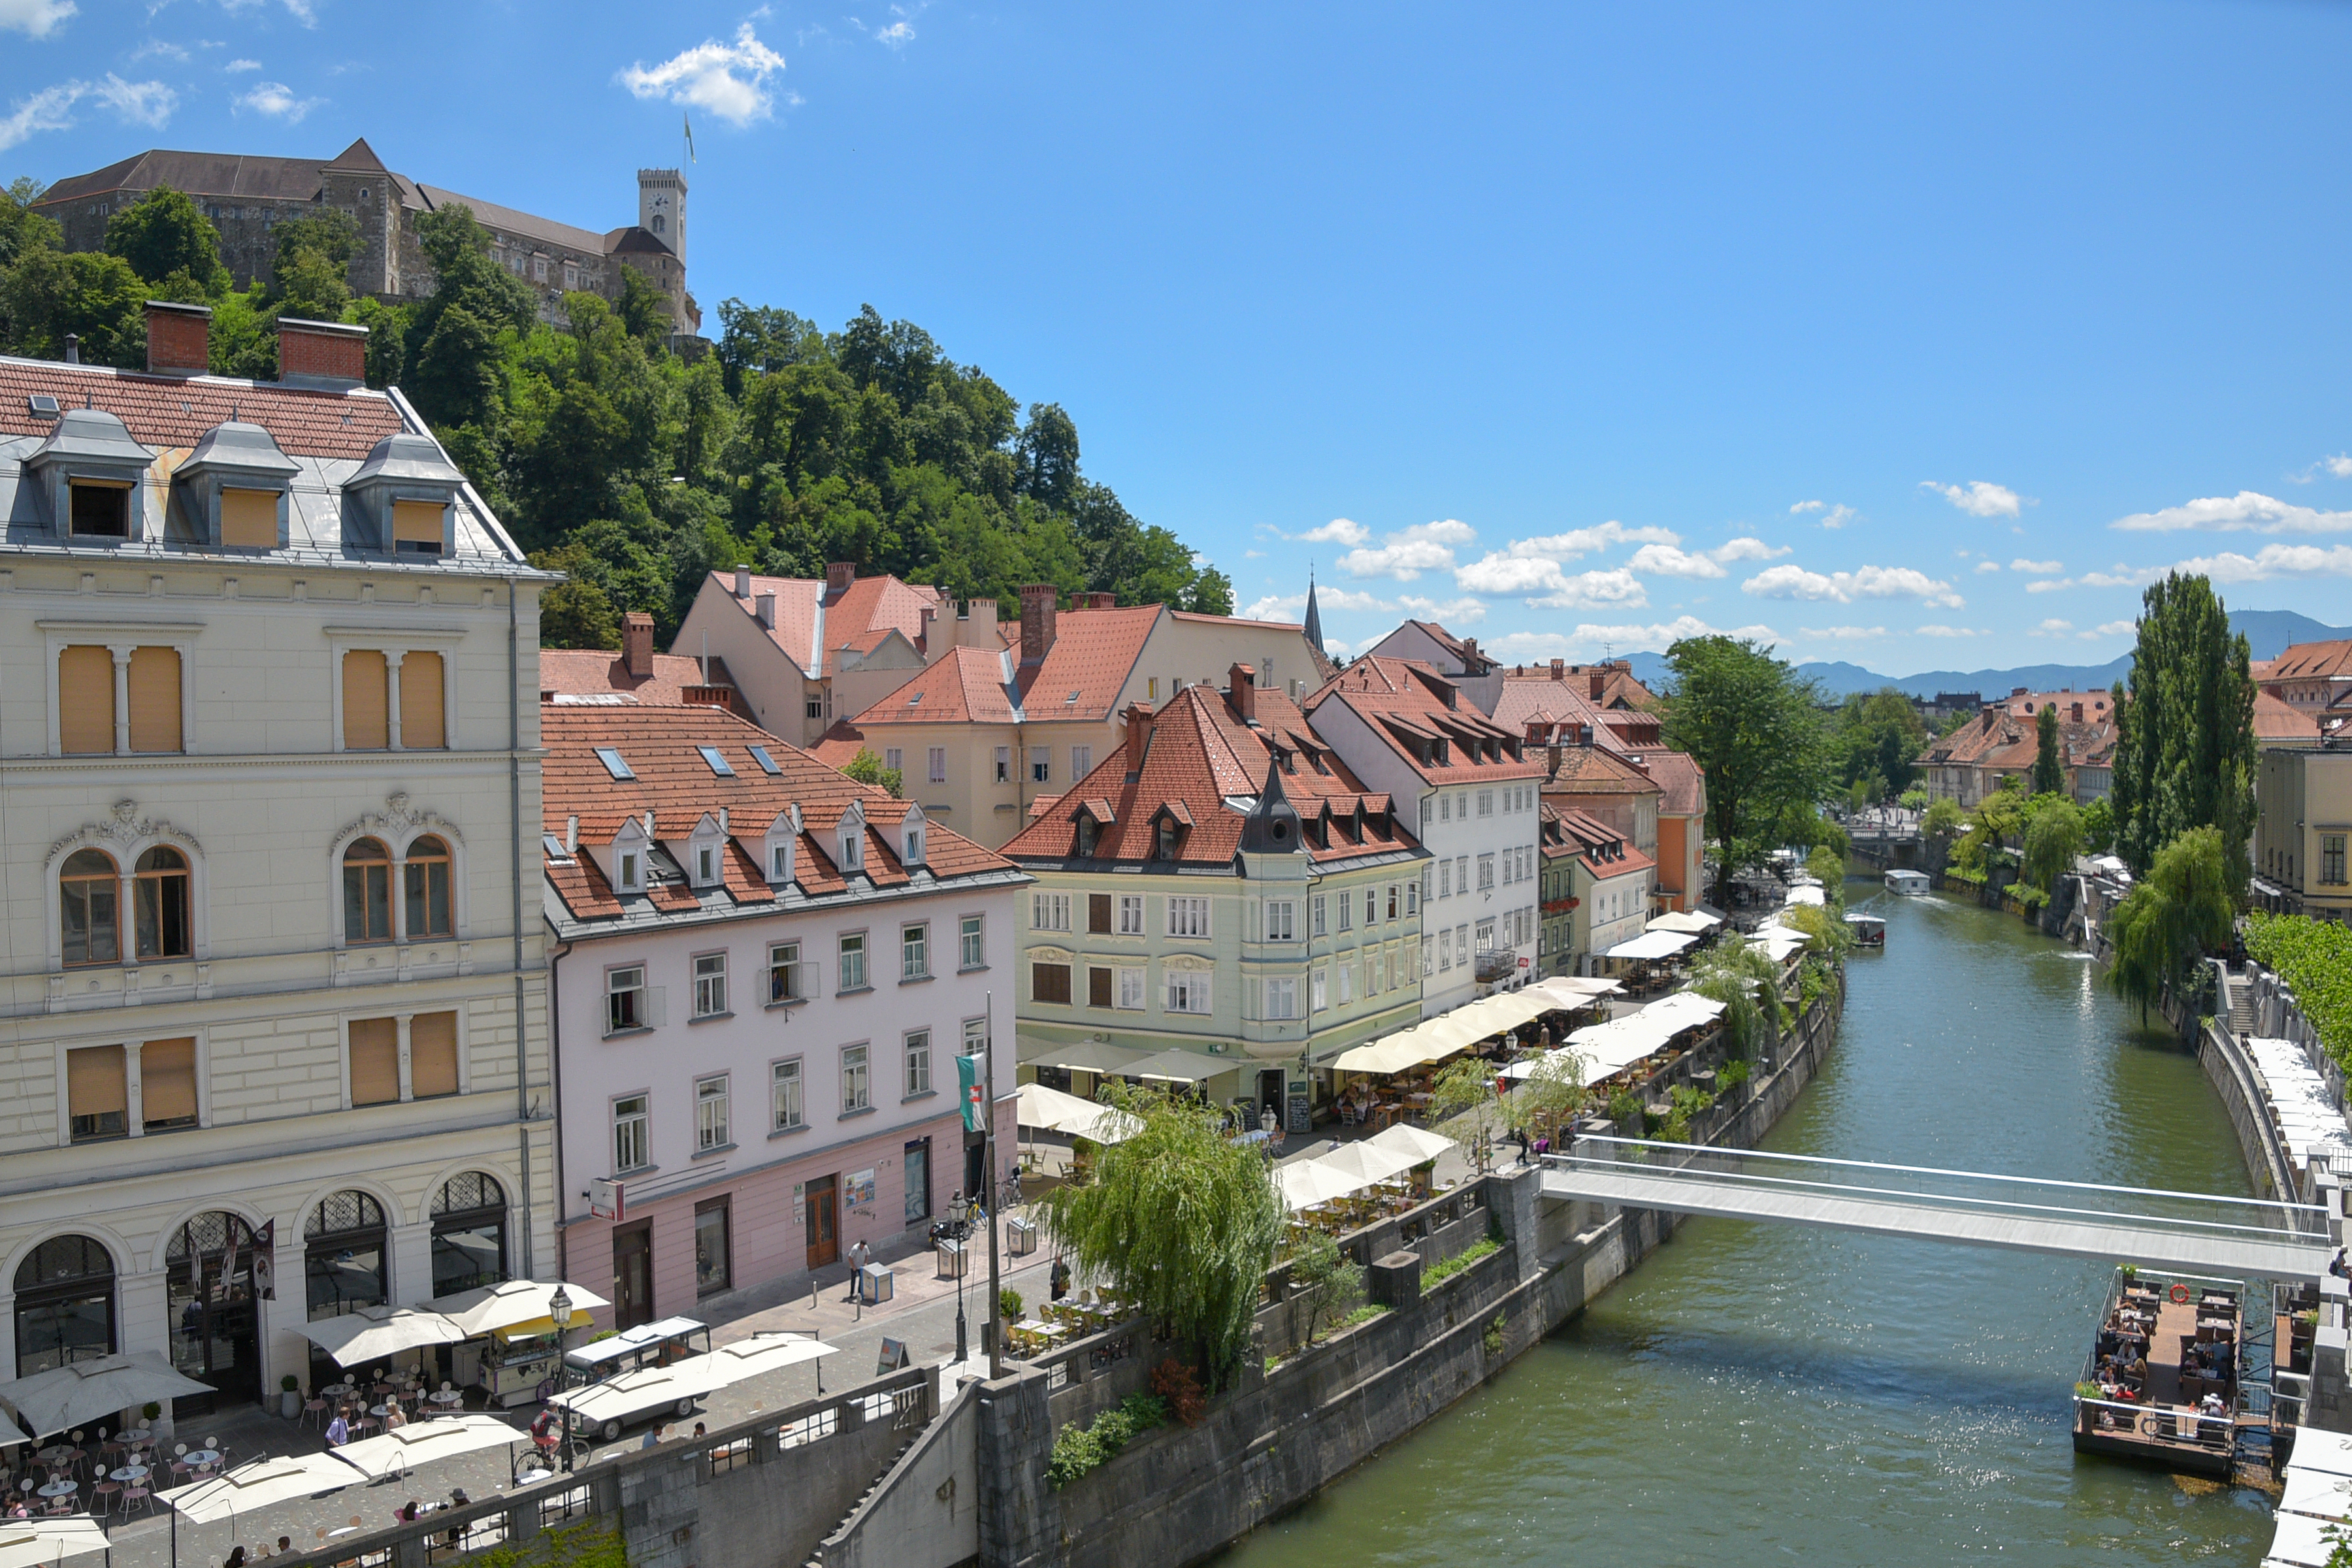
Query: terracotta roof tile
(1412, 696)
(178, 411)
(964, 686)
(1083, 673)
(589, 672)
(857, 619)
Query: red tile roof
(178, 411)
(2277, 721)
(1601, 847)
(1412, 708)
(1679, 776)
(2312, 661)
(964, 686)
(1083, 672)
(587, 672)
(1591, 770)
(2027, 704)
(856, 619)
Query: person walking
(860, 1255)
(339, 1431)
(1060, 1277)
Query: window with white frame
(1486, 873)
(853, 848)
(1425, 810)
(1371, 907)
(1396, 901)
(1511, 867)
(914, 950)
(780, 862)
(1281, 920)
(624, 999)
(975, 950)
(1348, 980)
(1281, 996)
(938, 771)
(1130, 988)
(1318, 990)
(1486, 803)
(1347, 911)
(1041, 764)
(709, 984)
(784, 1095)
(1444, 952)
(1318, 915)
(1428, 958)
(1049, 912)
(893, 759)
(1130, 914)
(1461, 873)
(706, 864)
(1081, 761)
(787, 979)
(1444, 808)
(1188, 991)
(919, 1063)
(631, 1114)
(1412, 894)
(856, 1093)
(1462, 944)
(1445, 878)
(1485, 936)
(1186, 917)
(1003, 764)
(853, 961)
(710, 1113)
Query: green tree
(2053, 837)
(578, 613)
(49, 293)
(2185, 751)
(1942, 822)
(1551, 1096)
(1879, 735)
(1742, 976)
(1752, 724)
(2098, 827)
(1462, 1106)
(1178, 1218)
(2049, 753)
(1326, 1280)
(2183, 909)
(163, 232)
(867, 769)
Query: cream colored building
(2303, 828)
(275, 1041)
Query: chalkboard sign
(1302, 1114)
(893, 1357)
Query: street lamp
(559, 1313)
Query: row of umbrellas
(1433, 1039)
(1305, 1184)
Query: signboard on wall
(860, 1194)
(607, 1198)
(1301, 1116)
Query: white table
(61, 1488)
(447, 1396)
(130, 1473)
(201, 1457)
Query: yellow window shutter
(167, 1082)
(416, 527)
(94, 1083)
(250, 519)
(421, 723)
(375, 1061)
(86, 701)
(366, 704)
(433, 1054)
(154, 700)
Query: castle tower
(661, 207)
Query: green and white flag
(971, 1079)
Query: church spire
(1314, 617)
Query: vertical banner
(972, 1079)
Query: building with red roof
(635, 675)
(1596, 890)
(2310, 676)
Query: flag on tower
(688, 120)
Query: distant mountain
(2270, 632)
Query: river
(1755, 1392)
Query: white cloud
(1805, 506)
(1988, 566)
(2053, 628)
(51, 108)
(2339, 465)
(1463, 612)
(2121, 577)
(896, 34)
(1844, 588)
(156, 48)
(276, 100)
(2247, 511)
(2274, 561)
(1668, 561)
(1585, 541)
(1977, 498)
(728, 80)
(1942, 631)
(2111, 629)
(1405, 555)
(1276, 607)
(1339, 530)
(1842, 633)
(1547, 586)
(1839, 516)
(1252, 554)
(1588, 639)
(2036, 568)
(34, 19)
(235, 66)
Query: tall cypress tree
(2185, 755)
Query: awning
(370, 1333)
(255, 1486)
(509, 1305)
(1695, 922)
(1651, 945)
(1577, 989)
(1620, 1042)
(763, 1353)
(1086, 1056)
(1367, 1161)
(11, 1433)
(2318, 1493)
(1052, 1111)
(1807, 894)
(1525, 1067)
(2318, 1451)
(86, 1392)
(1180, 1066)
(400, 1450)
(1305, 1184)
(2303, 1542)
(28, 1542)
(1419, 1142)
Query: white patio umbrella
(764, 1352)
(1304, 1184)
(29, 1542)
(11, 1433)
(84, 1392)
(504, 1306)
(252, 1487)
(372, 1333)
(1054, 1111)
(403, 1448)
(1368, 1160)
(1419, 1142)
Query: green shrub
(1626, 1110)
(1363, 1314)
(2315, 959)
(1733, 1074)
(1438, 1273)
(1008, 1303)
(1493, 1338)
(1078, 1449)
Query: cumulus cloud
(1977, 498)
(1585, 541)
(1291, 606)
(2053, 628)
(34, 19)
(2274, 561)
(2248, 511)
(1406, 555)
(728, 80)
(1591, 639)
(1463, 612)
(1546, 586)
(1988, 566)
(2037, 568)
(2112, 630)
(1844, 588)
(1667, 560)
(1933, 630)
(1842, 633)
(2121, 577)
(51, 108)
(1832, 516)
(276, 100)
(235, 66)
(1339, 530)
(2339, 465)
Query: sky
(1918, 335)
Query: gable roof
(1418, 714)
(1591, 770)
(596, 672)
(2278, 721)
(964, 686)
(1093, 654)
(812, 627)
(2312, 661)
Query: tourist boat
(2161, 1382)
(1869, 931)
(1909, 884)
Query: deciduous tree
(1752, 725)
(2182, 909)
(2185, 754)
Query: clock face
(661, 201)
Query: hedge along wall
(2315, 959)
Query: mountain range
(2268, 634)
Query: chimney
(1093, 601)
(1138, 737)
(1595, 684)
(73, 348)
(839, 576)
(637, 644)
(923, 636)
(1240, 681)
(1559, 670)
(743, 581)
(2017, 691)
(1038, 603)
(179, 339)
(327, 355)
(2078, 712)
(767, 604)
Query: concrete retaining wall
(926, 1512)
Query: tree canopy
(1876, 739)
(2185, 751)
(1753, 726)
(2181, 911)
(2049, 753)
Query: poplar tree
(2049, 754)
(2185, 751)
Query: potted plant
(290, 1397)
(159, 1420)
(1008, 1305)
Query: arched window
(65, 1304)
(469, 1233)
(367, 892)
(160, 904)
(209, 1282)
(89, 892)
(426, 875)
(344, 1255)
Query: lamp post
(559, 1313)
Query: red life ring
(2179, 1294)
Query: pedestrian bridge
(2186, 1232)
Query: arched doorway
(65, 1304)
(208, 1280)
(469, 1233)
(346, 1265)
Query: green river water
(1757, 1393)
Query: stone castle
(247, 198)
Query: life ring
(2179, 1295)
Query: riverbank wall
(1301, 1415)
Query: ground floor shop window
(65, 1304)
(713, 1260)
(470, 1233)
(918, 1162)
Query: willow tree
(2182, 909)
(1742, 976)
(1179, 1218)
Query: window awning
(1086, 1056)
(1695, 922)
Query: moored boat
(1909, 884)
(1869, 931)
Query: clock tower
(661, 207)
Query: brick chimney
(1595, 684)
(767, 607)
(1093, 601)
(1559, 670)
(1039, 601)
(923, 636)
(2078, 712)
(839, 576)
(179, 339)
(325, 354)
(1241, 682)
(637, 644)
(1138, 737)
(743, 581)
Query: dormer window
(632, 878)
(914, 855)
(706, 864)
(100, 509)
(402, 499)
(1164, 843)
(1087, 833)
(231, 492)
(88, 471)
(853, 848)
(780, 863)
(782, 837)
(417, 528)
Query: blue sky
(1915, 335)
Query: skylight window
(767, 763)
(555, 849)
(1073, 696)
(613, 763)
(717, 761)
(915, 700)
(42, 403)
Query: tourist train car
(2161, 1382)
(1909, 884)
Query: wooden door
(823, 1233)
(633, 1275)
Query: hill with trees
(632, 467)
